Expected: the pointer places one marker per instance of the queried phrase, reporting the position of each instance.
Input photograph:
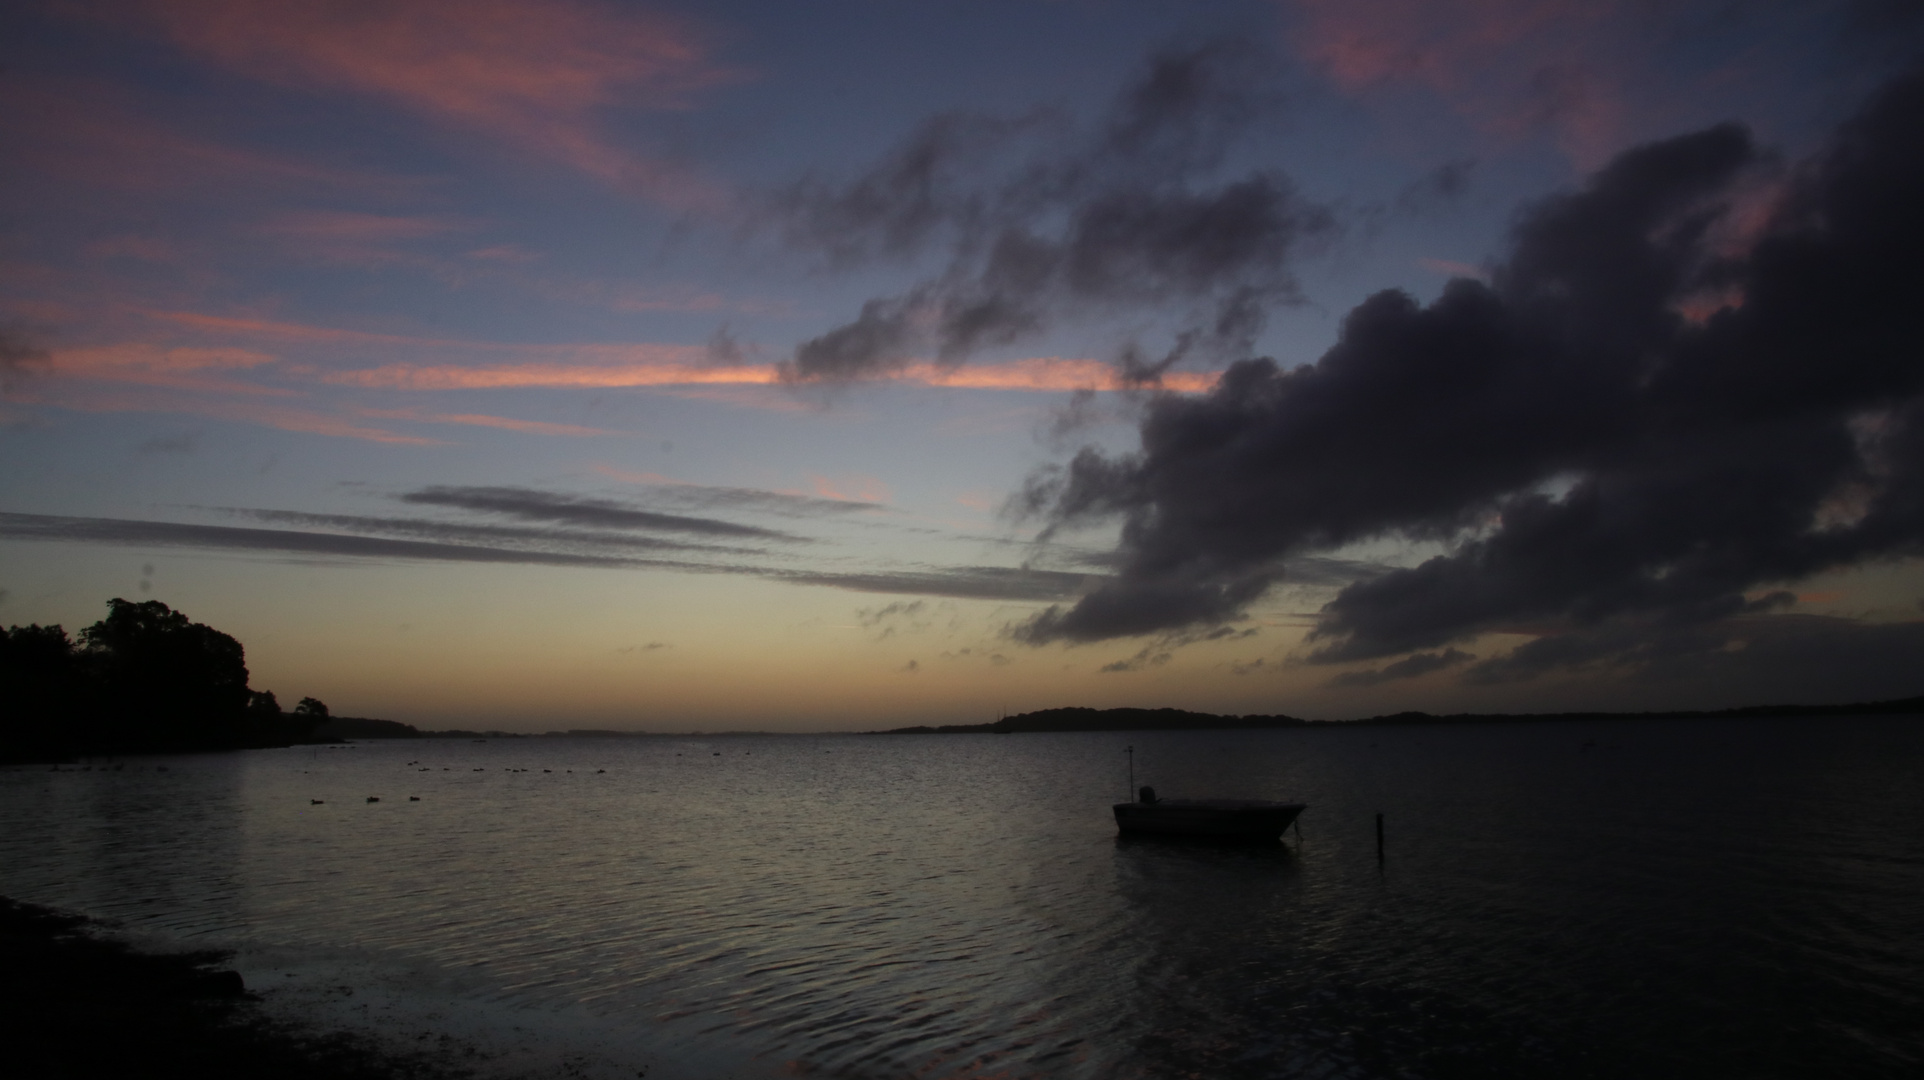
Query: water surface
(1700, 898)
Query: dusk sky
(840, 365)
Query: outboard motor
(1146, 795)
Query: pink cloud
(1510, 66)
(151, 249)
(96, 137)
(504, 253)
(854, 487)
(530, 72)
(358, 239)
(338, 225)
(530, 427)
(1452, 268)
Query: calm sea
(1631, 899)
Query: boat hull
(1244, 818)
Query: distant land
(1085, 719)
(361, 727)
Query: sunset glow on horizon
(536, 365)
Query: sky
(843, 365)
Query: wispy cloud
(1410, 667)
(536, 75)
(965, 582)
(531, 505)
(961, 582)
(530, 427)
(780, 502)
(284, 541)
(519, 537)
(179, 368)
(682, 366)
(169, 400)
(94, 137)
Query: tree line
(145, 679)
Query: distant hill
(361, 727)
(1894, 707)
(1084, 719)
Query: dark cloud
(1133, 217)
(532, 538)
(966, 582)
(785, 504)
(1407, 668)
(960, 582)
(531, 505)
(286, 541)
(1602, 447)
(17, 357)
(1438, 188)
(1785, 657)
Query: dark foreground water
(1632, 899)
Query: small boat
(1248, 819)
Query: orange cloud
(613, 366)
(510, 376)
(679, 366)
(153, 365)
(1046, 373)
(532, 72)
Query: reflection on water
(1559, 900)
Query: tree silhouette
(165, 681)
(40, 684)
(144, 679)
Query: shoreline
(74, 1003)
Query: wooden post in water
(1132, 773)
(1379, 836)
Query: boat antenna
(1132, 772)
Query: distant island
(1086, 719)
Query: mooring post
(1132, 773)
(1379, 836)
